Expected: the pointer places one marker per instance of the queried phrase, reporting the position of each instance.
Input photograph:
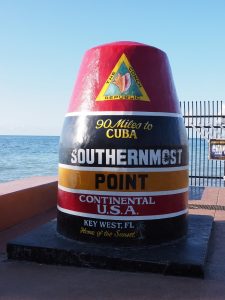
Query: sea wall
(25, 198)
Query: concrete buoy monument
(123, 172)
(123, 161)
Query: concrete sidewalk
(24, 280)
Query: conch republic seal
(123, 159)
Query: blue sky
(42, 43)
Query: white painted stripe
(110, 193)
(125, 113)
(155, 217)
(128, 170)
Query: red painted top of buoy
(151, 68)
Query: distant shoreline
(23, 135)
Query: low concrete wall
(22, 199)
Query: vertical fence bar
(218, 181)
(221, 134)
(204, 151)
(208, 112)
(220, 122)
(190, 138)
(200, 143)
(187, 124)
(192, 141)
(196, 142)
(223, 120)
(212, 134)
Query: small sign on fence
(217, 149)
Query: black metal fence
(204, 120)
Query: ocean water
(202, 170)
(26, 156)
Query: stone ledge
(25, 198)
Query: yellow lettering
(121, 133)
(133, 134)
(126, 134)
(109, 133)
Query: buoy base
(136, 232)
(186, 257)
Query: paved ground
(23, 280)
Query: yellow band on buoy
(123, 181)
